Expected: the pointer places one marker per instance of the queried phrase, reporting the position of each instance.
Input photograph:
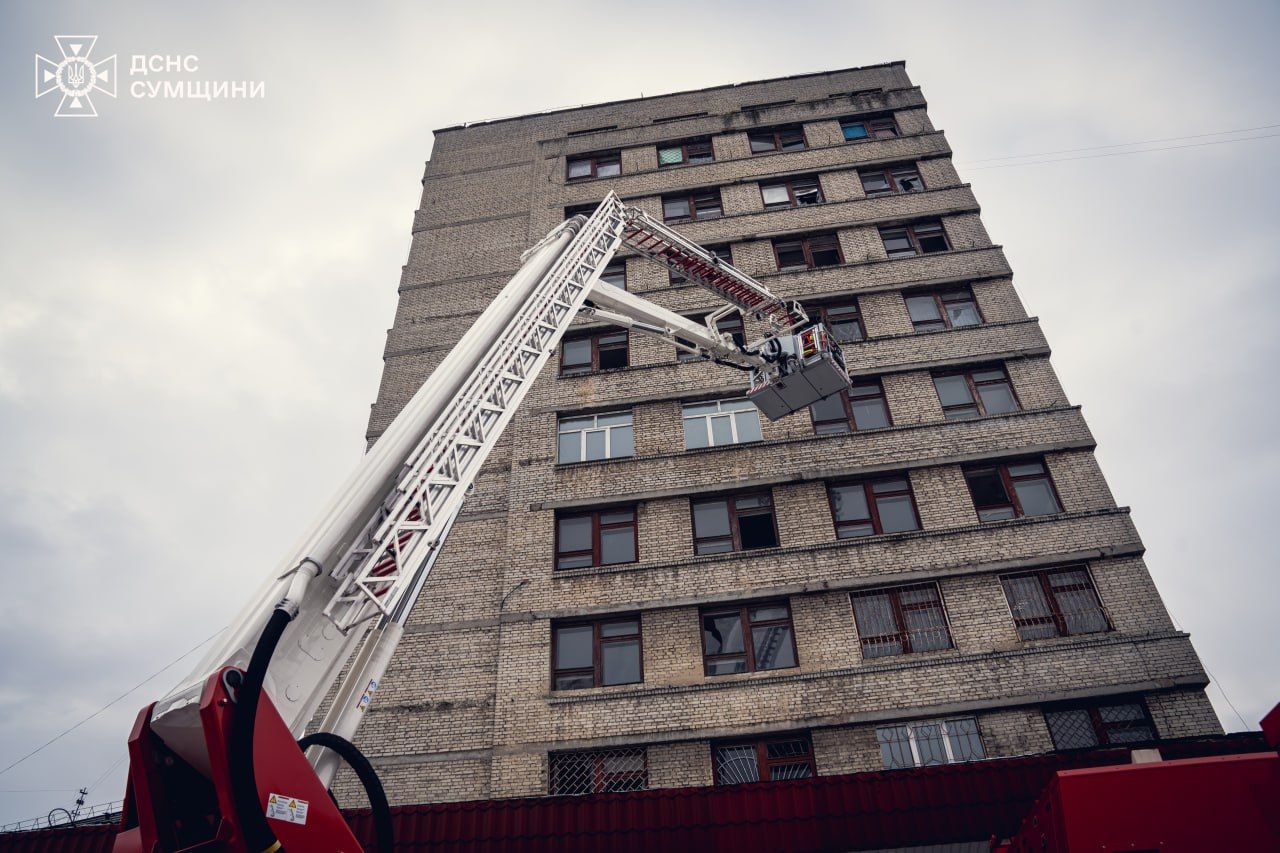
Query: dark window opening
(922, 238)
(820, 250)
(975, 393)
(605, 537)
(749, 638)
(793, 192)
(1012, 490)
(790, 138)
(894, 179)
(736, 523)
(944, 309)
(721, 251)
(871, 507)
(602, 351)
(581, 209)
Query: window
(720, 422)
(1100, 725)
(790, 138)
(721, 251)
(730, 324)
(901, 620)
(592, 437)
(691, 152)
(605, 537)
(601, 351)
(843, 320)
(1012, 490)
(1054, 603)
(874, 128)
(771, 760)
(581, 209)
(861, 407)
(821, 250)
(596, 654)
(922, 238)
(606, 165)
(895, 179)
(615, 274)
(794, 192)
(946, 309)
(869, 507)
(697, 205)
(599, 771)
(725, 649)
(932, 742)
(974, 393)
(735, 523)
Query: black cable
(383, 827)
(244, 782)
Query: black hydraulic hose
(383, 827)
(244, 783)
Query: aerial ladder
(217, 764)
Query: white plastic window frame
(584, 430)
(741, 404)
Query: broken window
(921, 238)
(1012, 490)
(869, 507)
(819, 250)
(591, 437)
(893, 179)
(901, 620)
(605, 537)
(589, 353)
(734, 523)
(748, 638)
(793, 192)
(598, 653)
(974, 393)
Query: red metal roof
(861, 811)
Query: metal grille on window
(600, 771)
(932, 742)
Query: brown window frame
(875, 128)
(868, 485)
(823, 315)
(596, 160)
(893, 176)
(598, 641)
(1008, 481)
(1101, 728)
(776, 133)
(596, 552)
(849, 420)
(748, 653)
(806, 246)
(942, 298)
(723, 251)
(693, 198)
(735, 531)
(912, 232)
(764, 765)
(903, 634)
(976, 401)
(685, 156)
(730, 324)
(1057, 617)
(615, 266)
(600, 778)
(793, 200)
(598, 345)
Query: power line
(112, 702)
(1123, 144)
(1122, 153)
(106, 772)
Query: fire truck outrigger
(218, 765)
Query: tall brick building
(652, 586)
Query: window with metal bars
(696, 205)
(588, 438)
(720, 422)
(769, 760)
(920, 238)
(944, 309)
(1088, 726)
(862, 406)
(817, 250)
(607, 164)
(901, 620)
(590, 353)
(730, 324)
(598, 653)
(1054, 603)
(799, 191)
(721, 251)
(975, 392)
(890, 179)
(604, 537)
(870, 507)
(689, 152)
(733, 523)
(598, 771)
(1012, 490)
(842, 319)
(748, 638)
(930, 742)
(789, 138)
(857, 129)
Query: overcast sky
(194, 295)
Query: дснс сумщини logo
(76, 76)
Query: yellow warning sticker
(286, 808)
